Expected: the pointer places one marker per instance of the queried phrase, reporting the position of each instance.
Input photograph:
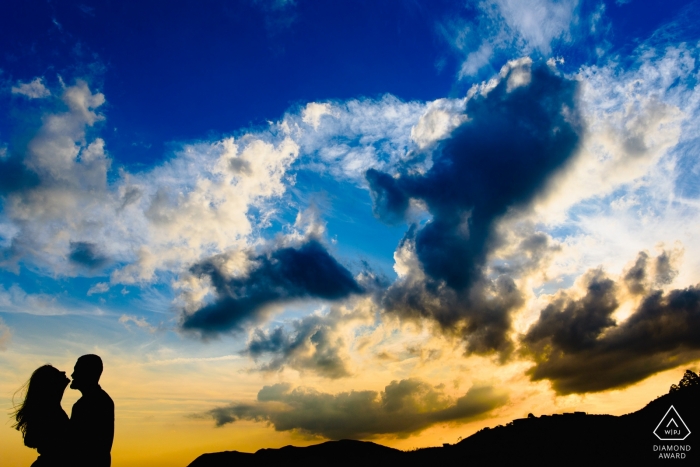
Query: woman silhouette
(42, 420)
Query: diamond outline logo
(672, 420)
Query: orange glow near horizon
(156, 423)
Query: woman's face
(60, 380)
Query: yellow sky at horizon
(154, 408)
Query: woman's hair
(40, 393)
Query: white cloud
(139, 322)
(71, 198)
(357, 135)
(622, 194)
(197, 204)
(16, 300)
(537, 23)
(633, 118)
(163, 219)
(512, 27)
(35, 89)
(5, 335)
(476, 60)
(200, 202)
(100, 287)
(440, 118)
(312, 113)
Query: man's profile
(92, 418)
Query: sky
(288, 221)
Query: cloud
(507, 28)
(631, 185)
(312, 343)
(100, 287)
(35, 89)
(643, 277)
(312, 113)
(87, 254)
(347, 138)
(404, 408)
(579, 346)
(62, 211)
(14, 175)
(477, 177)
(139, 322)
(60, 182)
(281, 276)
(634, 118)
(5, 335)
(208, 198)
(440, 118)
(538, 23)
(198, 203)
(15, 300)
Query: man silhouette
(92, 418)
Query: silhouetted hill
(330, 453)
(567, 439)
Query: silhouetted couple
(81, 441)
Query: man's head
(86, 373)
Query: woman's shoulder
(46, 426)
(53, 432)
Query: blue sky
(342, 195)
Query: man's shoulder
(98, 398)
(103, 398)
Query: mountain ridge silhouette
(572, 438)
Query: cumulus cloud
(437, 122)
(34, 89)
(634, 117)
(579, 346)
(477, 177)
(313, 112)
(280, 276)
(5, 335)
(647, 274)
(61, 214)
(347, 138)
(313, 343)
(60, 184)
(198, 203)
(403, 408)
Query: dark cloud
(311, 344)
(404, 407)
(86, 254)
(574, 325)
(579, 347)
(283, 275)
(664, 268)
(479, 315)
(494, 164)
(532, 251)
(646, 273)
(15, 176)
(636, 277)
